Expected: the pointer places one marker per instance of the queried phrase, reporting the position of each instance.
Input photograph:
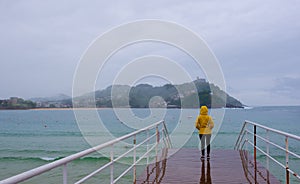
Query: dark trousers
(205, 138)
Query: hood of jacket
(203, 110)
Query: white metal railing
(244, 140)
(159, 127)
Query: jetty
(165, 164)
(224, 166)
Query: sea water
(30, 138)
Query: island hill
(140, 96)
(168, 95)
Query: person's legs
(208, 136)
(202, 140)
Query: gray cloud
(256, 42)
(288, 86)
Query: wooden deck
(225, 166)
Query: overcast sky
(256, 42)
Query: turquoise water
(30, 138)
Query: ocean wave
(50, 159)
(94, 159)
(29, 158)
(39, 152)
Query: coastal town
(20, 103)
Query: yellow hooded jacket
(204, 122)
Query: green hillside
(187, 95)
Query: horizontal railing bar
(150, 149)
(115, 160)
(126, 171)
(142, 157)
(246, 140)
(138, 145)
(283, 166)
(237, 144)
(107, 165)
(146, 153)
(294, 154)
(267, 141)
(39, 170)
(121, 156)
(167, 133)
(274, 130)
(239, 138)
(276, 145)
(293, 173)
(94, 172)
(167, 138)
(131, 149)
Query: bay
(30, 138)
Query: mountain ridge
(57, 97)
(171, 96)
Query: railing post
(65, 174)
(247, 142)
(134, 159)
(157, 139)
(112, 165)
(156, 154)
(163, 136)
(255, 163)
(166, 137)
(287, 160)
(254, 138)
(148, 175)
(268, 153)
(147, 147)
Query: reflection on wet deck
(225, 166)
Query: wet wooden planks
(185, 166)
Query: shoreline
(100, 108)
(58, 109)
(62, 109)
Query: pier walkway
(225, 166)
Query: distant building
(13, 100)
(201, 80)
(39, 104)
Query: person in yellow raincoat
(204, 123)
